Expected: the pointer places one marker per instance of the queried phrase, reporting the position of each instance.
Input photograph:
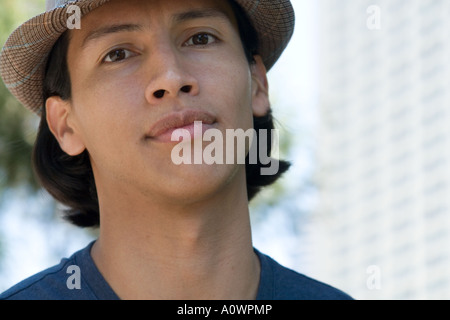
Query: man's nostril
(159, 94)
(186, 89)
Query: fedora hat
(24, 56)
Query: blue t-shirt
(77, 278)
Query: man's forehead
(179, 9)
(119, 15)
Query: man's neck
(200, 251)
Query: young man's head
(111, 87)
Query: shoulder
(280, 283)
(54, 283)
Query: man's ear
(58, 119)
(260, 88)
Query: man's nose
(169, 76)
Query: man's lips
(162, 129)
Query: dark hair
(70, 179)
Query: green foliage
(17, 124)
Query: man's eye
(201, 39)
(118, 55)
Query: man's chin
(196, 182)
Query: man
(112, 96)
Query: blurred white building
(382, 229)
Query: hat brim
(25, 53)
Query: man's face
(136, 62)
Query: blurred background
(361, 103)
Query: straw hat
(25, 53)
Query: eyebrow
(177, 18)
(200, 13)
(104, 31)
